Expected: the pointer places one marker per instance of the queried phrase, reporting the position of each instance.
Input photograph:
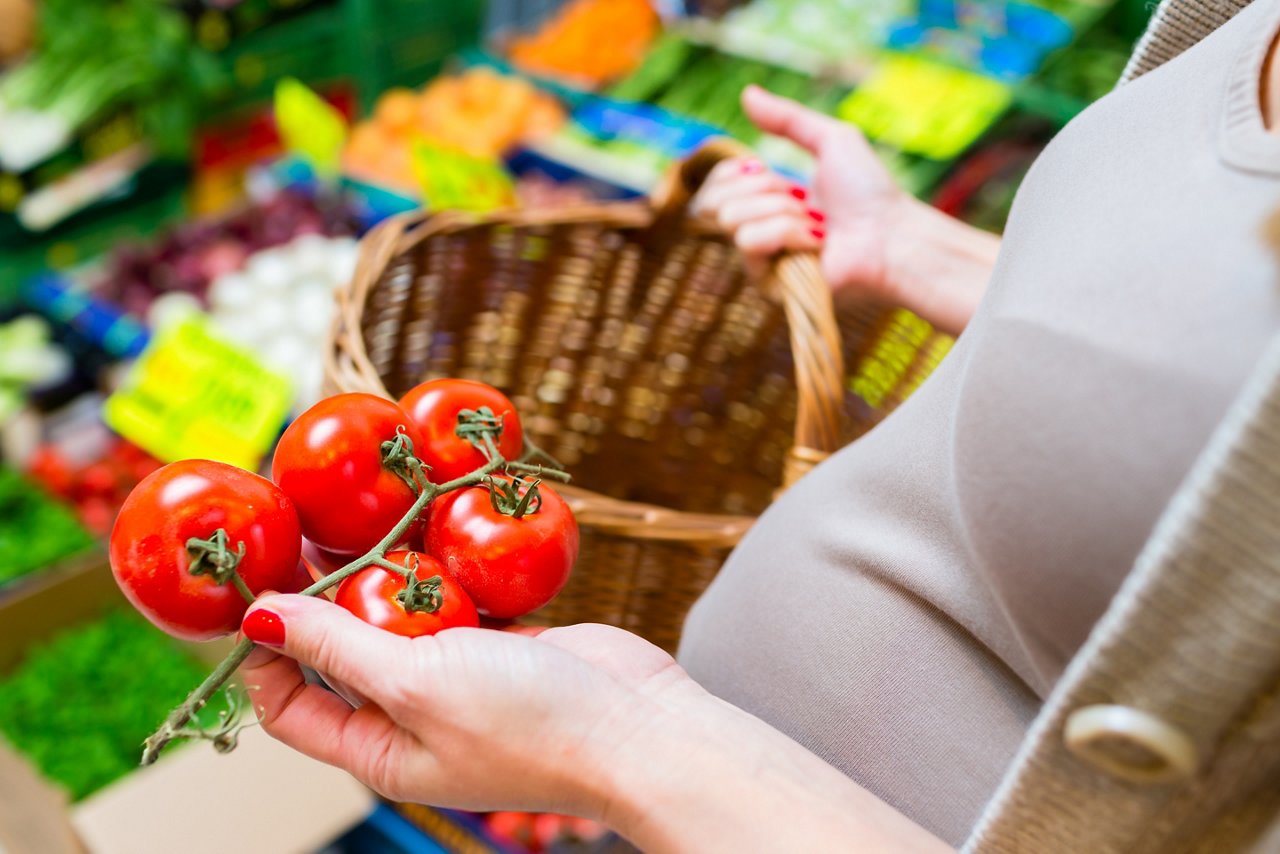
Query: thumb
(330, 639)
(784, 117)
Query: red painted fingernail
(752, 167)
(818, 233)
(264, 627)
(817, 216)
(800, 193)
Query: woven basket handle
(806, 299)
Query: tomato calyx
(422, 595)
(211, 557)
(507, 499)
(397, 457)
(482, 428)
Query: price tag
(310, 126)
(454, 180)
(925, 108)
(192, 393)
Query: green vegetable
(35, 530)
(93, 59)
(668, 55)
(80, 705)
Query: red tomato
(512, 828)
(99, 480)
(194, 498)
(371, 595)
(510, 566)
(434, 408)
(329, 463)
(549, 828)
(51, 468)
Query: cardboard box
(263, 797)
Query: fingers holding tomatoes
(435, 408)
(428, 602)
(511, 544)
(182, 532)
(331, 462)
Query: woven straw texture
(1193, 639)
(679, 393)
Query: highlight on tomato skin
(435, 406)
(373, 595)
(330, 462)
(194, 500)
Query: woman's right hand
(847, 214)
(874, 237)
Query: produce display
(198, 540)
(96, 59)
(35, 530)
(589, 42)
(1090, 69)
(28, 360)
(19, 18)
(537, 190)
(191, 256)
(538, 832)
(279, 304)
(79, 705)
(814, 35)
(95, 487)
(692, 80)
(479, 112)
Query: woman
(862, 670)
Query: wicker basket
(678, 392)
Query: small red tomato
(97, 514)
(434, 408)
(549, 828)
(586, 829)
(99, 480)
(52, 470)
(511, 828)
(330, 464)
(194, 499)
(510, 564)
(375, 596)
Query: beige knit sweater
(1164, 734)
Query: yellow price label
(925, 108)
(192, 393)
(455, 180)
(310, 126)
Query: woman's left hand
(586, 720)
(469, 718)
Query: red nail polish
(817, 216)
(264, 627)
(752, 167)
(799, 193)
(818, 233)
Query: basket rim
(797, 283)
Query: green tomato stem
(182, 715)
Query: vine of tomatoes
(421, 513)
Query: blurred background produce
(19, 18)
